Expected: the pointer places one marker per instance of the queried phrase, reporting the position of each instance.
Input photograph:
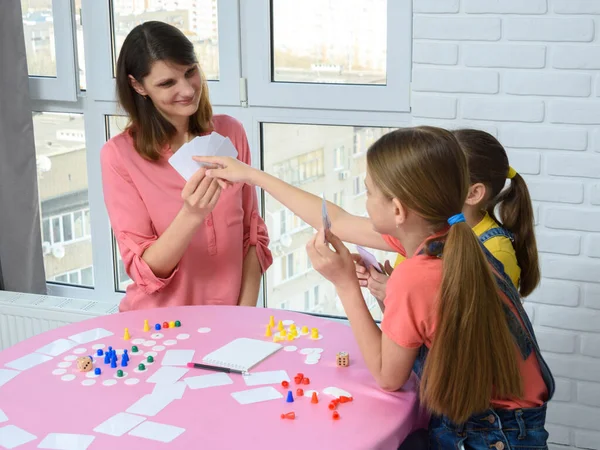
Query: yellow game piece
(268, 332)
(314, 333)
(304, 330)
(126, 335)
(280, 325)
(146, 325)
(290, 336)
(271, 321)
(293, 327)
(276, 338)
(172, 324)
(283, 333)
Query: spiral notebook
(241, 354)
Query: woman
(182, 243)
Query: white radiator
(25, 315)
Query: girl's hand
(361, 271)
(336, 265)
(227, 168)
(377, 282)
(200, 195)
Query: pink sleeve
(129, 219)
(394, 243)
(255, 229)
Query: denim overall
(498, 429)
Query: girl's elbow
(390, 385)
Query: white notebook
(241, 354)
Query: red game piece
(285, 384)
(290, 415)
(332, 405)
(335, 401)
(344, 399)
(336, 415)
(314, 398)
(299, 392)
(300, 375)
(298, 380)
(166, 325)
(306, 381)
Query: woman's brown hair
(145, 44)
(473, 355)
(488, 164)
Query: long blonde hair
(473, 355)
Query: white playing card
(174, 390)
(3, 417)
(119, 424)
(167, 374)
(182, 160)
(325, 215)
(214, 142)
(63, 441)
(7, 375)
(178, 357)
(150, 405)
(90, 335)
(57, 347)
(227, 149)
(256, 395)
(368, 258)
(207, 381)
(271, 377)
(157, 431)
(12, 436)
(28, 361)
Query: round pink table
(53, 397)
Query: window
(338, 198)
(38, 28)
(78, 277)
(339, 155)
(359, 185)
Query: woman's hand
(200, 195)
(226, 168)
(336, 265)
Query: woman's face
(173, 89)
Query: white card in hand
(157, 431)
(262, 394)
(12, 436)
(214, 142)
(28, 361)
(227, 149)
(150, 405)
(64, 441)
(178, 357)
(368, 259)
(119, 424)
(206, 381)
(182, 160)
(271, 377)
(167, 374)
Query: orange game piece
(306, 381)
(344, 399)
(335, 415)
(299, 392)
(314, 398)
(285, 384)
(290, 415)
(336, 401)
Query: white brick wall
(528, 71)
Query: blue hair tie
(456, 218)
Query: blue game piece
(97, 371)
(123, 363)
(113, 364)
(106, 358)
(110, 349)
(290, 397)
(157, 326)
(99, 352)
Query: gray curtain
(21, 257)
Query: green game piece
(141, 367)
(119, 373)
(177, 323)
(134, 349)
(150, 359)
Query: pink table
(40, 402)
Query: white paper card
(214, 142)
(271, 377)
(256, 395)
(206, 381)
(226, 148)
(157, 431)
(182, 160)
(63, 441)
(150, 405)
(119, 424)
(174, 390)
(90, 335)
(28, 361)
(12, 436)
(368, 258)
(178, 357)
(167, 374)
(7, 375)
(3, 417)
(57, 347)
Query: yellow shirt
(499, 246)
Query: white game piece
(157, 431)
(170, 342)
(204, 330)
(71, 357)
(59, 371)
(65, 364)
(158, 348)
(62, 441)
(149, 343)
(88, 382)
(68, 377)
(317, 350)
(310, 362)
(28, 361)
(157, 336)
(138, 341)
(306, 351)
(79, 351)
(109, 382)
(91, 335)
(336, 392)
(119, 424)
(91, 374)
(183, 336)
(287, 323)
(290, 348)
(12, 436)
(132, 381)
(57, 347)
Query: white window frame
(394, 96)
(101, 83)
(64, 86)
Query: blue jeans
(499, 429)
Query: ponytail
(516, 215)
(468, 363)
